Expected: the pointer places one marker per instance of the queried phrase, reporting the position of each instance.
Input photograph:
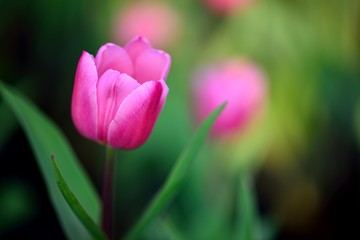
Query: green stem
(107, 193)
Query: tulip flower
(226, 6)
(236, 81)
(158, 22)
(119, 94)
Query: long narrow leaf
(75, 204)
(45, 138)
(176, 176)
(247, 215)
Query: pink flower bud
(119, 94)
(226, 6)
(236, 81)
(156, 21)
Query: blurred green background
(304, 154)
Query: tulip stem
(107, 193)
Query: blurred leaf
(162, 228)
(246, 223)
(246, 212)
(171, 229)
(46, 139)
(249, 224)
(8, 121)
(75, 204)
(176, 176)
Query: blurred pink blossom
(156, 21)
(119, 94)
(226, 6)
(240, 83)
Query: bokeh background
(303, 153)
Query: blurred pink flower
(156, 21)
(226, 6)
(119, 94)
(236, 81)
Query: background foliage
(305, 152)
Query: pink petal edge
(84, 101)
(112, 88)
(137, 46)
(137, 115)
(152, 65)
(112, 56)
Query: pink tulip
(156, 21)
(226, 6)
(236, 81)
(119, 94)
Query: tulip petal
(113, 88)
(111, 56)
(152, 65)
(136, 116)
(84, 102)
(136, 47)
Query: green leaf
(8, 121)
(75, 204)
(45, 139)
(176, 176)
(247, 215)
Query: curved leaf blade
(75, 204)
(45, 139)
(247, 212)
(176, 177)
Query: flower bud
(119, 94)
(236, 81)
